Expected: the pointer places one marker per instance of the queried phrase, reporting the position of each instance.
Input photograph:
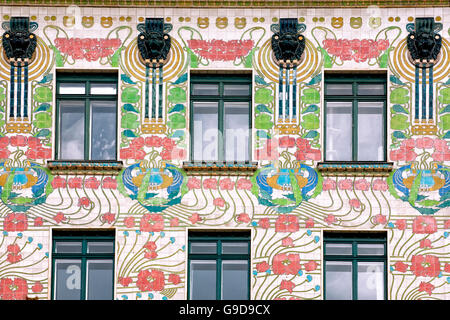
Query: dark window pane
(339, 131)
(205, 132)
(338, 275)
(100, 247)
(202, 280)
(103, 131)
(67, 282)
(338, 249)
(371, 89)
(234, 247)
(205, 89)
(236, 131)
(72, 88)
(203, 247)
(371, 249)
(99, 279)
(235, 280)
(370, 281)
(236, 89)
(341, 89)
(68, 247)
(370, 131)
(71, 144)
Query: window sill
(355, 168)
(87, 167)
(220, 168)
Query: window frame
(84, 237)
(219, 238)
(87, 79)
(354, 239)
(354, 98)
(221, 80)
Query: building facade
(155, 150)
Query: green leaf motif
(128, 107)
(43, 107)
(262, 134)
(263, 95)
(130, 121)
(43, 94)
(42, 133)
(125, 78)
(315, 80)
(263, 121)
(115, 58)
(311, 108)
(395, 80)
(444, 124)
(399, 109)
(310, 122)
(177, 95)
(130, 95)
(128, 133)
(311, 134)
(42, 120)
(445, 110)
(177, 108)
(295, 188)
(399, 122)
(176, 121)
(181, 79)
(415, 189)
(429, 203)
(263, 108)
(444, 96)
(399, 96)
(260, 80)
(399, 135)
(310, 96)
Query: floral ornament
(13, 253)
(426, 190)
(285, 189)
(286, 264)
(221, 50)
(13, 289)
(151, 223)
(355, 49)
(150, 280)
(154, 188)
(89, 49)
(15, 222)
(425, 266)
(24, 187)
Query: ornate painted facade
(286, 196)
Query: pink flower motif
(330, 219)
(354, 203)
(219, 202)
(59, 217)
(262, 266)
(362, 184)
(427, 287)
(243, 217)
(109, 183)
(424, 224)
(425, 266)
(132, 153)
(441, 150)
(287, 223)
(174, 222)
(129, 222)
(108, 217)
(447, 224)
(151, 223)
(401, 224)
(310, 266)
(75, 183)
(13, 253)
(84, 202)
(34, 142)
(153, 141)
(195, 218)
(400, 266)
(37, 287)
(329, 184)
(269, 151)
(243, 184)
(380, 185)
(174, 278)
(425, 243)
(226, 184)
(288, 285)
(18, 141)
(287, 242)
(380, 219)
(150, 280)
(4, 153)
(194, 183)
(286, 264)
(424, 143)
(287, 142)
(168, 143)
(4, 142)
(264, 223)
(210, 183)
(92, 183)
(13, 289)
(125, 281)
(38, 222)
(346, 184)
(58, 182)
(447, 268)
(15, 222)
(309, 223)
(150, 252)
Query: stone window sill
(90, 167)
(357, 168)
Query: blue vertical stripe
(294, 93)
(25, 90)
(160, 110)
(416, 116)
(11, 93)
(153, 91)
(19, 92)
(146, 90)
(424, 94)
(288, 86)
(430, 94)
(280, 94)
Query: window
(355, 118)
(219, 266)
(220, 117)
(83, 265)
(86, 116)
(355, 266)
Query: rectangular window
(86, 116)
(219, 266)
(220, 117)
(355, 117)
(83, 265)
(355, 266)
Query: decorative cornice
(85, 167)
(232, 3)
(377, 169)
(220, 168)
